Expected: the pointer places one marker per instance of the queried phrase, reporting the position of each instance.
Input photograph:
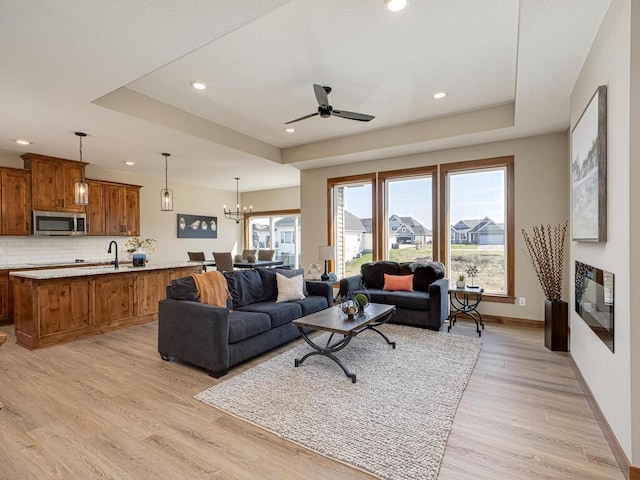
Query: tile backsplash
(24, 250)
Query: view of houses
(358, 238)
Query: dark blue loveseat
(426, 306)
(216, 338)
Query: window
(262, 228)
(409, 205)
(479, 195)
(352, 223)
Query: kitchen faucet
(115, 262)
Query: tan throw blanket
(212, 287)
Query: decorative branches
(545, 251)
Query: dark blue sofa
(427, 306)
(215, 338)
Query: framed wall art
(589, 171)
(197, 226)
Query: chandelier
(237, 215)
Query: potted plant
(139, 249)
(460, 282)
(545, 251)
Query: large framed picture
(197, 226)
(589, 171)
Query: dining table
(244, 263)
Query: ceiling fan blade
(321, 94)
(361, 117)
(302, 118)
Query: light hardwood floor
(108, 407)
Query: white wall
(634, 222)
(275, 199)
(608, 374)
(188, 199)
(541, 196)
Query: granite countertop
(46, 274)
(44, 264)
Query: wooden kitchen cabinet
(52, 181)
(96, 210)
(4, 295)
(122, 209)
(15, 202)
(151, 287)
(64, 306)
(114, 300)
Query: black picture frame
(197, 226)
(589, 171)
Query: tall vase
(556, 325)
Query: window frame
(332, 183)
(268, 213)
(407, 173)
(506, 162)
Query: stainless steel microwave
(59, 223)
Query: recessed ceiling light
(128, 162)
(439, 95)
(290, 130)
(198, 85)
(395, 5)
(21, 141)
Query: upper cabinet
(122, 204)
(96, 211)
(52, 181)
(15, 202)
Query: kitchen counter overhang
(64, 304)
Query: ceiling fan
(325, 110)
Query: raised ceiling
(121, 71)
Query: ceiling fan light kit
(325, 110)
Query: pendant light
(166, 195)
(237, 215)
(80, 187)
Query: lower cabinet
(113, 300)
(4, 295)
(50, 311)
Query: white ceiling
(120, 71)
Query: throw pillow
(270, 287)
(289, 288)
(184, 289)
(397, 283)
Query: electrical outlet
(522, 301)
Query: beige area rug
(394, 422)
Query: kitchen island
(63, 304)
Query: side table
(465, 301)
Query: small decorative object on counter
(460, 282)
(251, 258)
(238, 258)
(139, 249)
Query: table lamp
(326, 253)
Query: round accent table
(465, 301)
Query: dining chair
(266, 254)
(224, 261)
(196, 256)
(249, 252)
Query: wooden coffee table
(334, 321)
